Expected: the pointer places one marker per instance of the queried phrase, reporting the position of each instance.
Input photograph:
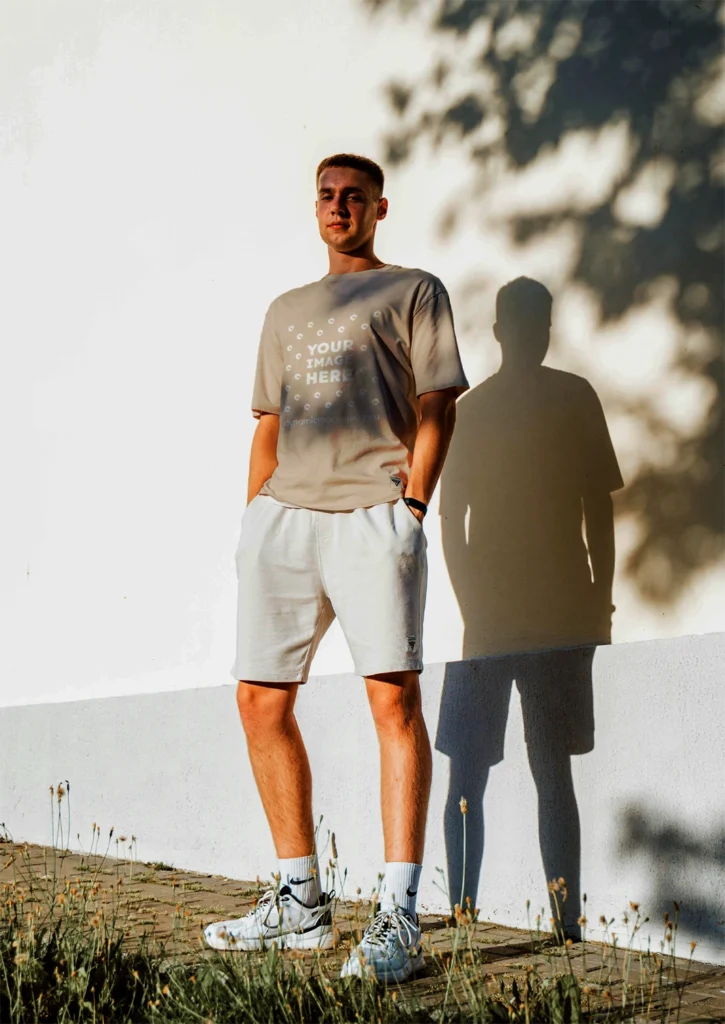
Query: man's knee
(264, 706)
(395, 702)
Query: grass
(68, 953)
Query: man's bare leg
(295, 913)
(405, 763)
(280, 765)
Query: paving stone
(173, 906)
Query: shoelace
(263, 903)
(387, 921)
(269, 897)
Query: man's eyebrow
(350, 188)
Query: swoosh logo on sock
(299, 881)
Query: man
(357, 379)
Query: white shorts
(299, 568)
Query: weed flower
(288, 993)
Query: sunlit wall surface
(157, 189)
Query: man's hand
(420, 516)
(263, 456)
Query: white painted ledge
(171, 768)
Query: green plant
(69, 953)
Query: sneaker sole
(316, 938)
(411, 965)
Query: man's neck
(352, 263)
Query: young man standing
(355, 391)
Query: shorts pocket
(410, 514)
(253, 519)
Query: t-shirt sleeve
(599, 467)
(434, 353)
(268, 379)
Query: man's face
(347, 208)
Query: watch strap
(420, 506)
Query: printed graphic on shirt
(330, 377)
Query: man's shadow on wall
(531, 462)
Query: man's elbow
(440, 406)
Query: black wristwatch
(420, 506)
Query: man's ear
(497, 332)
(382, 208)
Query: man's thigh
(282, 608)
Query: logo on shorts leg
(412, 643)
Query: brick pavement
(174, 906)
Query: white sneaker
(389, 950)
(279, 919)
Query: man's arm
(438, 418)
(599, 525)
(263, 456)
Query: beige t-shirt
(343, 361)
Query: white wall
(172, 770)
(157, 183)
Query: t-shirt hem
(426, 389)
(325, 507)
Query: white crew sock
(302, 875)
(400, 886)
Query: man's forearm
(438, 418)
(263, 455)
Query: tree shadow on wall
(516, 81)
(530, 463)
(681, 866)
